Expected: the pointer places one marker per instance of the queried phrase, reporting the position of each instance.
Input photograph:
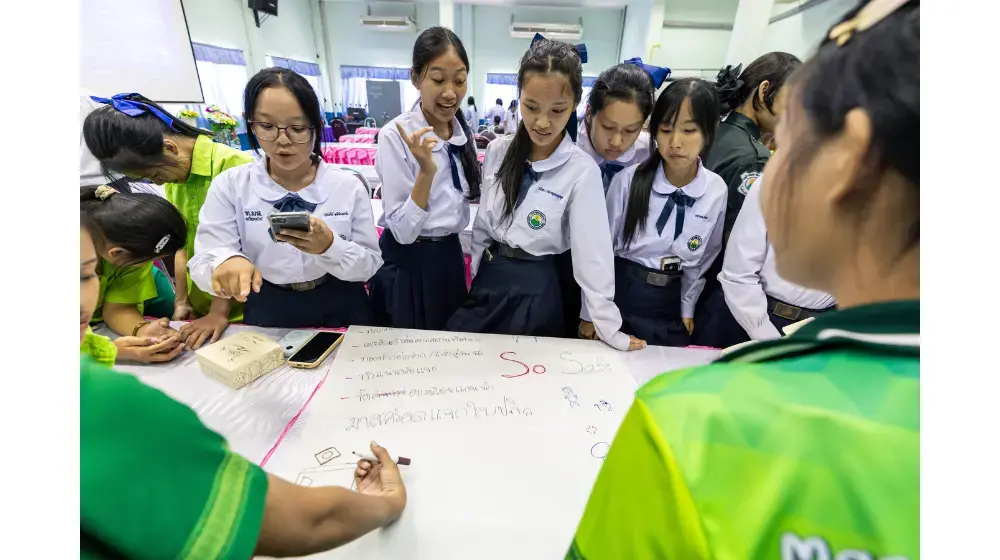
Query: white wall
(290, 35)
(217, 22)
(685, 51)
(802, 33)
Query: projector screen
(138, 46)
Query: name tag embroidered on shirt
(253, 215)
(335, 214)
(546, 191)
(700, 216)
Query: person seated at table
(429, 171)
(497, 126)
(806, 446)
(133, 230)
(288, 278)
(156, 483)
(136, 137)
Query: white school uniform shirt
(495, 111)
(563, 210)
(749, 275)
(233, 222)
(472, 117)
(510, 121)
(699, 242)
(447, 209)
(636, 154)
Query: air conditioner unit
(554, 31)
(389, 23)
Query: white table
(255, 419)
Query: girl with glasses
(134, 136)
(287, 278)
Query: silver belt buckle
(302, 286)
(657, 279)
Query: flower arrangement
(188, 114)
(219, 118)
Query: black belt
(302, 286)
(516, 253)
(432, 238)
(652, 277)
(791, 312)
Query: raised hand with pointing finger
(235, 278)
(421, 148)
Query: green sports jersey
(803, 448)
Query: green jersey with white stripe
(803, 448)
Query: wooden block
(240, 359)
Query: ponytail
(470, 160)
(735, 87)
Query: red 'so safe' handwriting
(537, 368)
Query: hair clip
(874, 12)
(581, 49)
(656, 73)
(162, 243)
(132, 108)
(104, 192)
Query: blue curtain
(304, 68)
(218, 55)
(374, 73)
(502, 79)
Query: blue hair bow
(656, 73)
(581, 49)
(132, 108)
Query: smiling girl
(618, 106)
(666, 218)
(542, 198)
(429, 171)
(287, 278)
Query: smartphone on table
(316, 350)
(298, 221)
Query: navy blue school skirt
(420, 285)
(571, 294)
(334, 303)
(652, 313)
(714, 324)
(513, 296)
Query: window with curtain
(307, 70)
(223, 74)
(354, 80)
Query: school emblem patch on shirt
(747, 179)
(536, 220)
(694, 243)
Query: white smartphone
(291, 342)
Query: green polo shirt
(208, 160)
(125, 285)
(155, 482)
(802, 448)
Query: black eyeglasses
(268, 132)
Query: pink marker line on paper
(295, 419)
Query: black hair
(543, 57)
(512, 106)
(136, 222)
(622, 82)
(736, 87)
(300, 88)
(496, 120)
(432, 43)
(705, 112)
(125, 144)
(472, 101)
(877, 70)
(499, 101)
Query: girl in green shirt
(162, 485)
(135, 136)
(134, 229)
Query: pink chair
(354, 156)
(328, 155)
(367, 156)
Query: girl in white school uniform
(618, 106)
(666, 218)
(762, 302)
(287, 278)
(543, 196)
(429, 170)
